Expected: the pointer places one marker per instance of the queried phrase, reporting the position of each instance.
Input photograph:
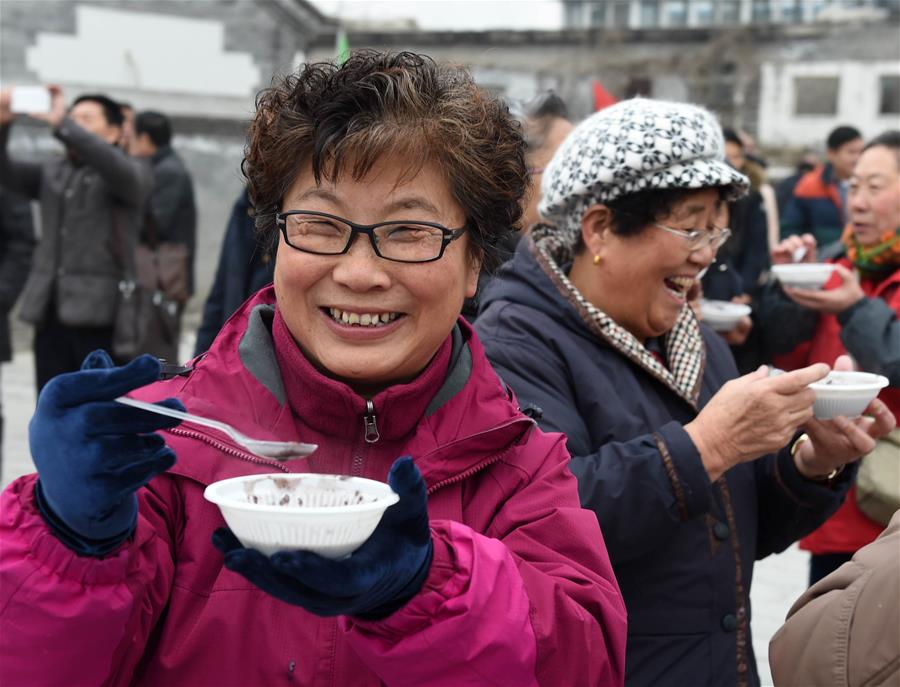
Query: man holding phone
(91, 200)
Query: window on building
(730, 11)
(791, 11)
(649, 14)
(703, 12)
(890, 95)
(761, 11)
(621, 10)
(816, 95)
(677, 12)
(598, 14)
(574, 12)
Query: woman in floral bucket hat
(693, 472)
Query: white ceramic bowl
(845, 393)
(722, 316)
(331, 515)
(803, 275)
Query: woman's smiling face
(318, 294)
(642, 281)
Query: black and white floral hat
(632, 146)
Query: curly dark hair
(344, 118)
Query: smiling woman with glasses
(693, 472)
(386, 183)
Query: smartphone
(27, 99)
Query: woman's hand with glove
(92, 454)
(373, 582)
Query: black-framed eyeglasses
(399, 240)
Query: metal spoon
(280, 450)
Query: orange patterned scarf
(874, 261)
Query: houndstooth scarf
(685, 350)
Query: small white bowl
(804, 275)
(331, 515)
(845, 393)
(722, 316)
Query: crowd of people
(495, 310)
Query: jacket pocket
(87, 300)
(35, 297)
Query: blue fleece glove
(376, 580)
(92, 454)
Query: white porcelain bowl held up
(804, 275)
(722, 316)
(845, 393)
(331, 515)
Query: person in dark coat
(16, 245)
(694, 473)
(818, 205)
(784, 189)
(170, 221)
(171, 210)
(245, 266)
(91, 199)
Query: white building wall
(513, 84)
(179, 63)
(858, 102)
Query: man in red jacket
(858, 312)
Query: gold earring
(596, 259)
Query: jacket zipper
(370, 436)
(225, 448)
(465, 474)
(468, 473)
(369, 424)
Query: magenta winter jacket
(521, 591)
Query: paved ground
(777, 581)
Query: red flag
(602, 97)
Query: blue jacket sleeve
(754, 257)
(781, 324)
(792, 506)
(870, 331)
(641, 489)
(795, 219)
(214, 315)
